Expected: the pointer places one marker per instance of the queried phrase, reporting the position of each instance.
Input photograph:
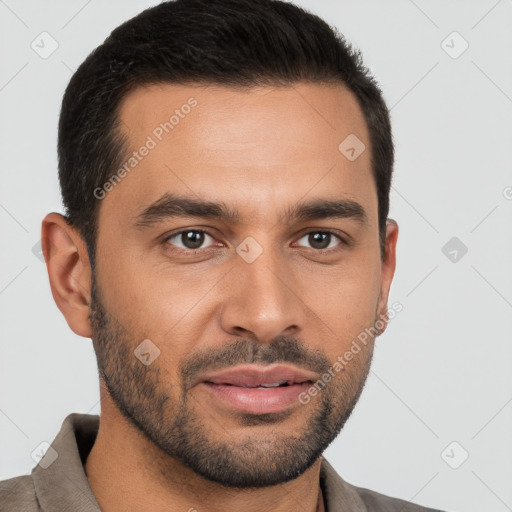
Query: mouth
(263, 385)
(258, 390)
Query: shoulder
(375, 501)
(18, 494)
(342, 495)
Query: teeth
(274, 384)
(270, 385)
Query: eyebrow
(172, 206)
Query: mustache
(281, 349)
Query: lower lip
(257, 400)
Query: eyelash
(195, 251)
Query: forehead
(256, 146)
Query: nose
(263, 300)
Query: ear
(388, 271)
(69, 271)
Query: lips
(256, 389)
(252, 376)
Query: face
(238, 251)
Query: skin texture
(164, 443)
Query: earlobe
(388, 271)
(69, 271)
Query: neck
(127, 472)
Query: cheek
(160, 309)
(157, 300)
(345, 303)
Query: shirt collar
(339, 496)
(62, 485)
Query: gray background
(441, 372)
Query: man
(225, 168)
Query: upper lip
(253, 376)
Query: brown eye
(191, 239)
(321, 240)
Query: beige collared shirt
(58, 483)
